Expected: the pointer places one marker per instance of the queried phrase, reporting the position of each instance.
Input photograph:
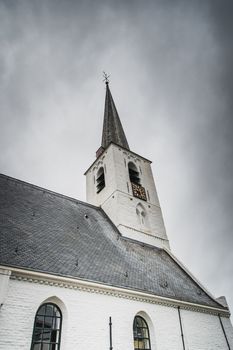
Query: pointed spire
(112, 128)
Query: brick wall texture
(86, 317)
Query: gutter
(95, 287)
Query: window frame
(135, 330)
(142, 216)
(57, 343)
(100, 180)
(134, 175)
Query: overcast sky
(172, 82)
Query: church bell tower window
(133, 173)
(100, 180)
(137, 189)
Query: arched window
(47, 328)
(142, 215)
(141, 334)
(100, 180)
(133, 173)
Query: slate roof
(44, 231)
(112, 127)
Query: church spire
(112, 128)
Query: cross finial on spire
(106, 77)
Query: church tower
(122, 184)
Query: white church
(100, 275)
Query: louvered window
(100, 180)
(133, 174)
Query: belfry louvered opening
(100, 180)
(133, 174)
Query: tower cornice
(123, 148)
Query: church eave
(34, 276)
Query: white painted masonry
(117, 199)
(86, 314)
(4, 283)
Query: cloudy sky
(171, 78)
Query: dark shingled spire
(112, 128)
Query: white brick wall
(4, 283)
(203, 332)
(117, 200)
(228, 329)
(86, 317)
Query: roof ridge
(47, 190)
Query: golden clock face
(139, 191)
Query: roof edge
(36, 187)
(89, 285)
(189, 273)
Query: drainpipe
(224, 331)
(181, 328)
(110, 333)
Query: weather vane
(106, 77)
